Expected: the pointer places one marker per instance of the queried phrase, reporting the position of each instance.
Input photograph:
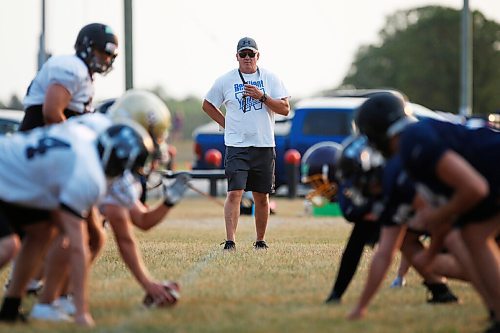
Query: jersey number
(44, 144)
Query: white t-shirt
(68, 71)
(254, 126)
(52, 166)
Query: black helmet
(100, 37)
(318, 169)
(360, 168)
(381, 117)
(124, 146)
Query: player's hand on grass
(169, 296)
(357, 313)
(174, 191)
(158, 292)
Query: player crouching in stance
(122, 208)
(84, 160)
(357, 171)
(456, 169)
(319, 168)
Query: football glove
(174, 191)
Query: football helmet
(145, 108)
(318, 170)
(100, 37)
(382, 116)
(124, 146)
(360, 169)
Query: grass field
(279, 290)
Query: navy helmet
(382, 116)
(124, 146)
(360, 167)
(318, 169)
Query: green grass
(279, 290)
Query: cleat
(494, 327)
(398, 282)
(34, 287)
(439, 293)
(333, 299)
(65, 304)
(49, 312)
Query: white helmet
(145, 108)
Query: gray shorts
(250, 169)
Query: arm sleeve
(216, 94)
(279, 90)
(66, 76)
(421, 149)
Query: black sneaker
(229, 245)
(334, 298)
(439, 293)
(260, 245)
(494, 328)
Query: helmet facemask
(361, 168)
(323, 190)
(318, 171)
(97, 64)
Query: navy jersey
(350, 211)
(424, 143)
(399, 192)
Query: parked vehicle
(312, 120)
(10, 120)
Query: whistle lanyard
(244, 82)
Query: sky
(182, 46)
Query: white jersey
(122, 191)
(254, 125)
(68, 71)
(51, 167)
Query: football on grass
(172, 288)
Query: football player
(457, 169)
(122, 208)
(319, 167)
(64, 86)
(85, 159)
(358, 170)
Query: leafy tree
(15, 103)
(419, 54)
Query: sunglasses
(243, 55)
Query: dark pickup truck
(311, 121)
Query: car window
(327, 123)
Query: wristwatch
(263, 98)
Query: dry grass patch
(279, 290)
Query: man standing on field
(251, 96)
